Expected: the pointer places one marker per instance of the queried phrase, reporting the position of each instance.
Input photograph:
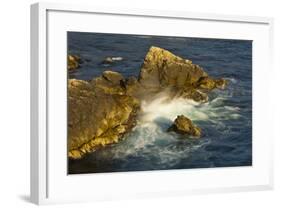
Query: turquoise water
(226, 120)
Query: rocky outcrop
(183, 125)
(73, 62)
(103, 110)
(97, 118)
(162, 69)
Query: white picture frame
(49, 180)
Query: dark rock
(208, 83)
(189, 93)
(183, 125)
(133, 87)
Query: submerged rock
(73, 62)
(183, 125)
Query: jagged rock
(161, 69)
(73, 62)
(183, 125)
(96, 118)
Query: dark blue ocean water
(226, 120)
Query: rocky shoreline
(101, 111)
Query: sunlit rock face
(161, 69)
(183, 125)
(103, 110)
(96, 118)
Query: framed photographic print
(137, 103)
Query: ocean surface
(226, 120)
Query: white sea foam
(150, 134)
(233, 80)
(235, 116)
(160, 108)
(231, 108)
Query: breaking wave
(150, 141)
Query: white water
(160, 108)
(150, 137)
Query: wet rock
(73, 62)
(191, 94)
(221, 83)
(183, 125)
(208, 83)
(96, 118)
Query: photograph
(144, 102)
